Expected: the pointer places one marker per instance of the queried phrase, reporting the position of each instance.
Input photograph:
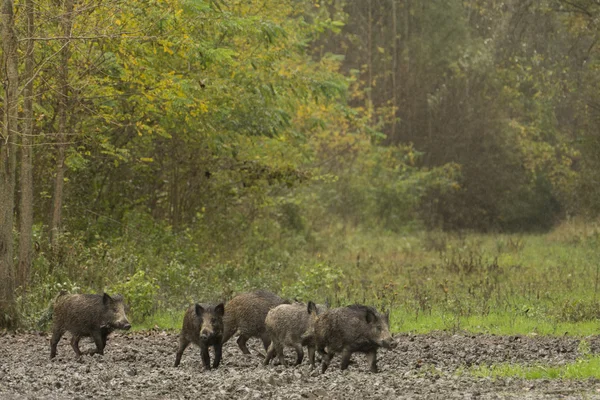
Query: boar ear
(311, 307)
(220, 309)
(371, 317)
(386, 316)
(106, 299)
(199, 309)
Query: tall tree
(62, 105)
(26, 178)
(8, 161)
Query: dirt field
(139, 366)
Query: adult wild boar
(246, 313)
(287, 325)
(351, 329)
(94, 315)
(203, 326)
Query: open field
(475, 316)
(435, 365)
(545, 284)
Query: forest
(440, 158)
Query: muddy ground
(139, 366)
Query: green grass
(545, 284)
(402, 321)
(494, 323)
(588, 367)
(162, 319)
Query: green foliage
(304, 147)
(319, 282)
(140, 292)
(36, 306)
(161, 319)
(499, 284)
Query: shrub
(140, 292)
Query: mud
(140, 365)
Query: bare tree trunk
(175, 209)
(8, 164)
(394, 69)
(26, 181)
(370, 59)
(63, 103)
(406, 56)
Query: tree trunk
(394, 70)
(26, 181)
(8, 163)
(406, 56)
(370, 60)
(63, 103)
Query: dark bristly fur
(203, 326)
(94, 315)
(351, 329)
(246, 314)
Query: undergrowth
(502, 284)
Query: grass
(586, 368)
(162, 319)
(402, 321)
(494, 323)
(544, 284)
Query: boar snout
(205, 334)
(123, 324)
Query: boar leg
(218, 354)
(205, 355)
(270, 354)
(242, 343)
(311, 356)
(266, 340)
(372, 360)
(75, 345)
(299, 353)
(97, 336)
(105, 333)
(280, 355)
(326, 361)
(183, 344)
(345, 359)
(56, 335)
(321, 350)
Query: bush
(318, 282)
(140, 292)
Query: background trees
(235, 133)
(8, 164)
